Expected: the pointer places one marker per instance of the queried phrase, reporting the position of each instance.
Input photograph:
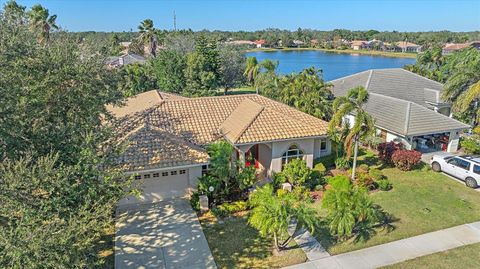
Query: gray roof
(394, 82)
(403, 113)
(129, 58)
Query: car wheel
(436, 167)
(470, 182)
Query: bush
(386, 150)
(297, 172)
(376, 174)
(342, 163)
(327, 161)
(372, 141)
(364, 180)
(319, 187)
(470, 145)
(406, 159)
(319, 167)
(195, 201)
(227, 209)
(363, 168)
(384, 184)
(247, 177)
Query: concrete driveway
(165, 235)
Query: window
(181, 172)
(323, 145)
(476, 169)
(164, 174)
(146, 176)
(460, 163)
(156, 174)
(138, 177)
(292, 153)
(204, 169)
(173, 173)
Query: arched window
(292, 153)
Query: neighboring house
(406, 108)
(405, 46)
(241, 43)
(119, 61)
(125, 46)
(358, 44)
(452, 47)
(166, 137)
(260, 43)
(298, 43)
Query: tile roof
(400, 101)
(242, 119)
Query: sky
(249, 15)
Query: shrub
(363, 179)
(342, 163)
(226, 209)
(386, 150)
(372, 141)
(376, 174)
(319, 187)
(470, 145)
(327, 161)
(384, 184)
(247, 177)
(320, 168)
(297, 172)
(406, 159)
(363, 168)
(195, 201)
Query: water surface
(334, 65)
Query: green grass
(240, 90)
(421, 201)
(234, 244)
(465, 257)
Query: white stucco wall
(317, 153)
(453, 142)
(278, 148)
(396, 138)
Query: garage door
(158, 186)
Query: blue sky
(404, 15)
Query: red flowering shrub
(406, 159)
(386, 150)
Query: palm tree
(148, 36)
(42, 22)
(251, 70)
(363, 125)
(269, 65)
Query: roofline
(281, 140)
(350, 75)
(164, 168)
(422, 77)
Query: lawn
(234, 244)
(421, 201)
(465, 257)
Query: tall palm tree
(42, 22)
(269, 65)
(251, 70)
(353, 104)
(148, 36)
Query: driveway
(165, 235)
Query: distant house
(125, 59)
(260, 43)
(125, 46)
(405, 46)
(298, 43)
(406, 107)
(241, 43)
(314, 42)
(452, 47)
(358, 44)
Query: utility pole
(174, 21)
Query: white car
(466, 168)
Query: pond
(334, 65)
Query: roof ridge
(410, 72)
(249, 124)
(355, 74)
(407, 118)
(389, 97)
(368, 79)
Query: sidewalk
(401, 250)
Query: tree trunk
(275, 239)
(355, 153)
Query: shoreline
(347, 51)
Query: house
(298, 43)
(260, 43)
(452, 47)
(241, 43)
(125, 59)
(407, 108)
(358, 44)
(166, 138)
(404, 46)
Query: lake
(334, 65)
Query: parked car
(466, 168)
